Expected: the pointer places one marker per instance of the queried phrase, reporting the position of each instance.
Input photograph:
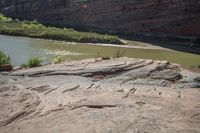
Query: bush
(4, 59)
(36, 30)
(24, 65)
(118, 53)
(59, 59)
(106, 58)
(34, 62)
(5, 19)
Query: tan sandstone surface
(122, 95)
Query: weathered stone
(17, 67)
(132, 95)
(6, 67)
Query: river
(21, 49)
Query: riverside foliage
(4, 59)
(34, 62)
(35, 29)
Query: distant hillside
(126, 17)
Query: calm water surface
(21, 49)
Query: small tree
(4, 59)
(118, 53)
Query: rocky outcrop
(119, 95)
(127, 17)
(6, 67)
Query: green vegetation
(118, 53)
(4, 59)
(34, 29)
(115, 54)
(102, 56)
(24, 65)
(106, 58)
(197, 66)
(59, 59)
(34, 62)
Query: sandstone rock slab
(120, 95)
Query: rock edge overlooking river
(118, 95)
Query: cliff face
(157, 17)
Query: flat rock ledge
(122, 95)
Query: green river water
(21, 49)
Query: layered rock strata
(127, 17)
(115, 96)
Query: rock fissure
(95, 106)
(71, 89)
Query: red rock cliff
(157, 17)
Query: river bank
(21, 49)
(34, 29)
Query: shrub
(106, 58)
(24, 65)
(59, 59)
(34, 62)
(118, 53)
(37, 30)
(4, 59)
(5, 19)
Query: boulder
(6, 67)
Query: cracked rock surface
(122, 95)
